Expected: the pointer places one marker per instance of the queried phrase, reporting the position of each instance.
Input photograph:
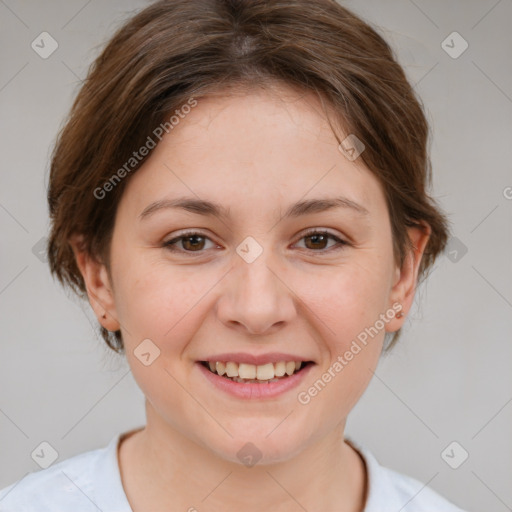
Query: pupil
(195, 240)
(316, 237)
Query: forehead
(257, 148)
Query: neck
(162, 469)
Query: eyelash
(188, 234)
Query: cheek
(163, 304)
(346, 298)
(160, 301)
(345, 305)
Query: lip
(254, 391)
(241, 357)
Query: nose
(256, 298)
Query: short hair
(174, 50)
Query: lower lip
(254, 391)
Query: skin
(256, 153)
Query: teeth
(220, 367)
(280, 369)
(231, 369)
(244, 372)
(264, 372)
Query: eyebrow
(209, 208)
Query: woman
(241, 193)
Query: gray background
(448, 380)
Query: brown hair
(177, 49)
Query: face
(258, 282)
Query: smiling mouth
(256, 374)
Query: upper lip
(241, 357)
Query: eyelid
(312, 231)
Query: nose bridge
(256, 278)
(253, 261)
(255, 298)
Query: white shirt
(91, 482)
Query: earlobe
(98, 286)
(405, 281)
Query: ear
(404, 285)
(97, 283)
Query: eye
(318, 240)
(194, 241)
(191, 241)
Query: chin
(257, 447)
